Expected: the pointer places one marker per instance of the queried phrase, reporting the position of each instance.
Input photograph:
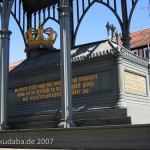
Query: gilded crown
(36, 36)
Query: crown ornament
(35, 37)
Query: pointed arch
(131, 13)
(20, 28)
(7, 10)
(85, 12)
(50, 18)
(16, 48)
(53, 23)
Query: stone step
(86, 118)
(35, 118)
(79, 123)
(100, 113)
(103, 121)
(34, 125)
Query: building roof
(140, 38)
(15, 64)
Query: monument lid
(79, 54)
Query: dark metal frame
(25, 20)
(50, 13)
(107, 4)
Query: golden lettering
(21, 94)
(25, 99)
(52, 89)
(85, 91)
(16, 90)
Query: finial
(40, 23)
(108, 26)
(40, 39)
(115, 35)
(118, 36)
(113, 28)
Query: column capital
(119, 53)
(5, 33)
(64, 10)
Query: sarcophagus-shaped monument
(110, 86)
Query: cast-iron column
(66, 70)
(4, 61)
(4, 51)
(0, 75)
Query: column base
(4, 127)
(121, 104)
(66, 124)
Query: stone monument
(109, 85)
(89, 96)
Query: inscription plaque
(135, 84)
(81, 85)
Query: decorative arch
(51, 12)
(52, 15)
(50, 18)
(5, 9)
(50, 22)
(85, 12)
(19, 16)
(26, 20)
(123, 20)
(131, 13)
(20, 27)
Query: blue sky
(91, 29)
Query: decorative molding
(136, 59)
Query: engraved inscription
(81, 85)
(135, 84)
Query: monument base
(94, 117)
(4, 127)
